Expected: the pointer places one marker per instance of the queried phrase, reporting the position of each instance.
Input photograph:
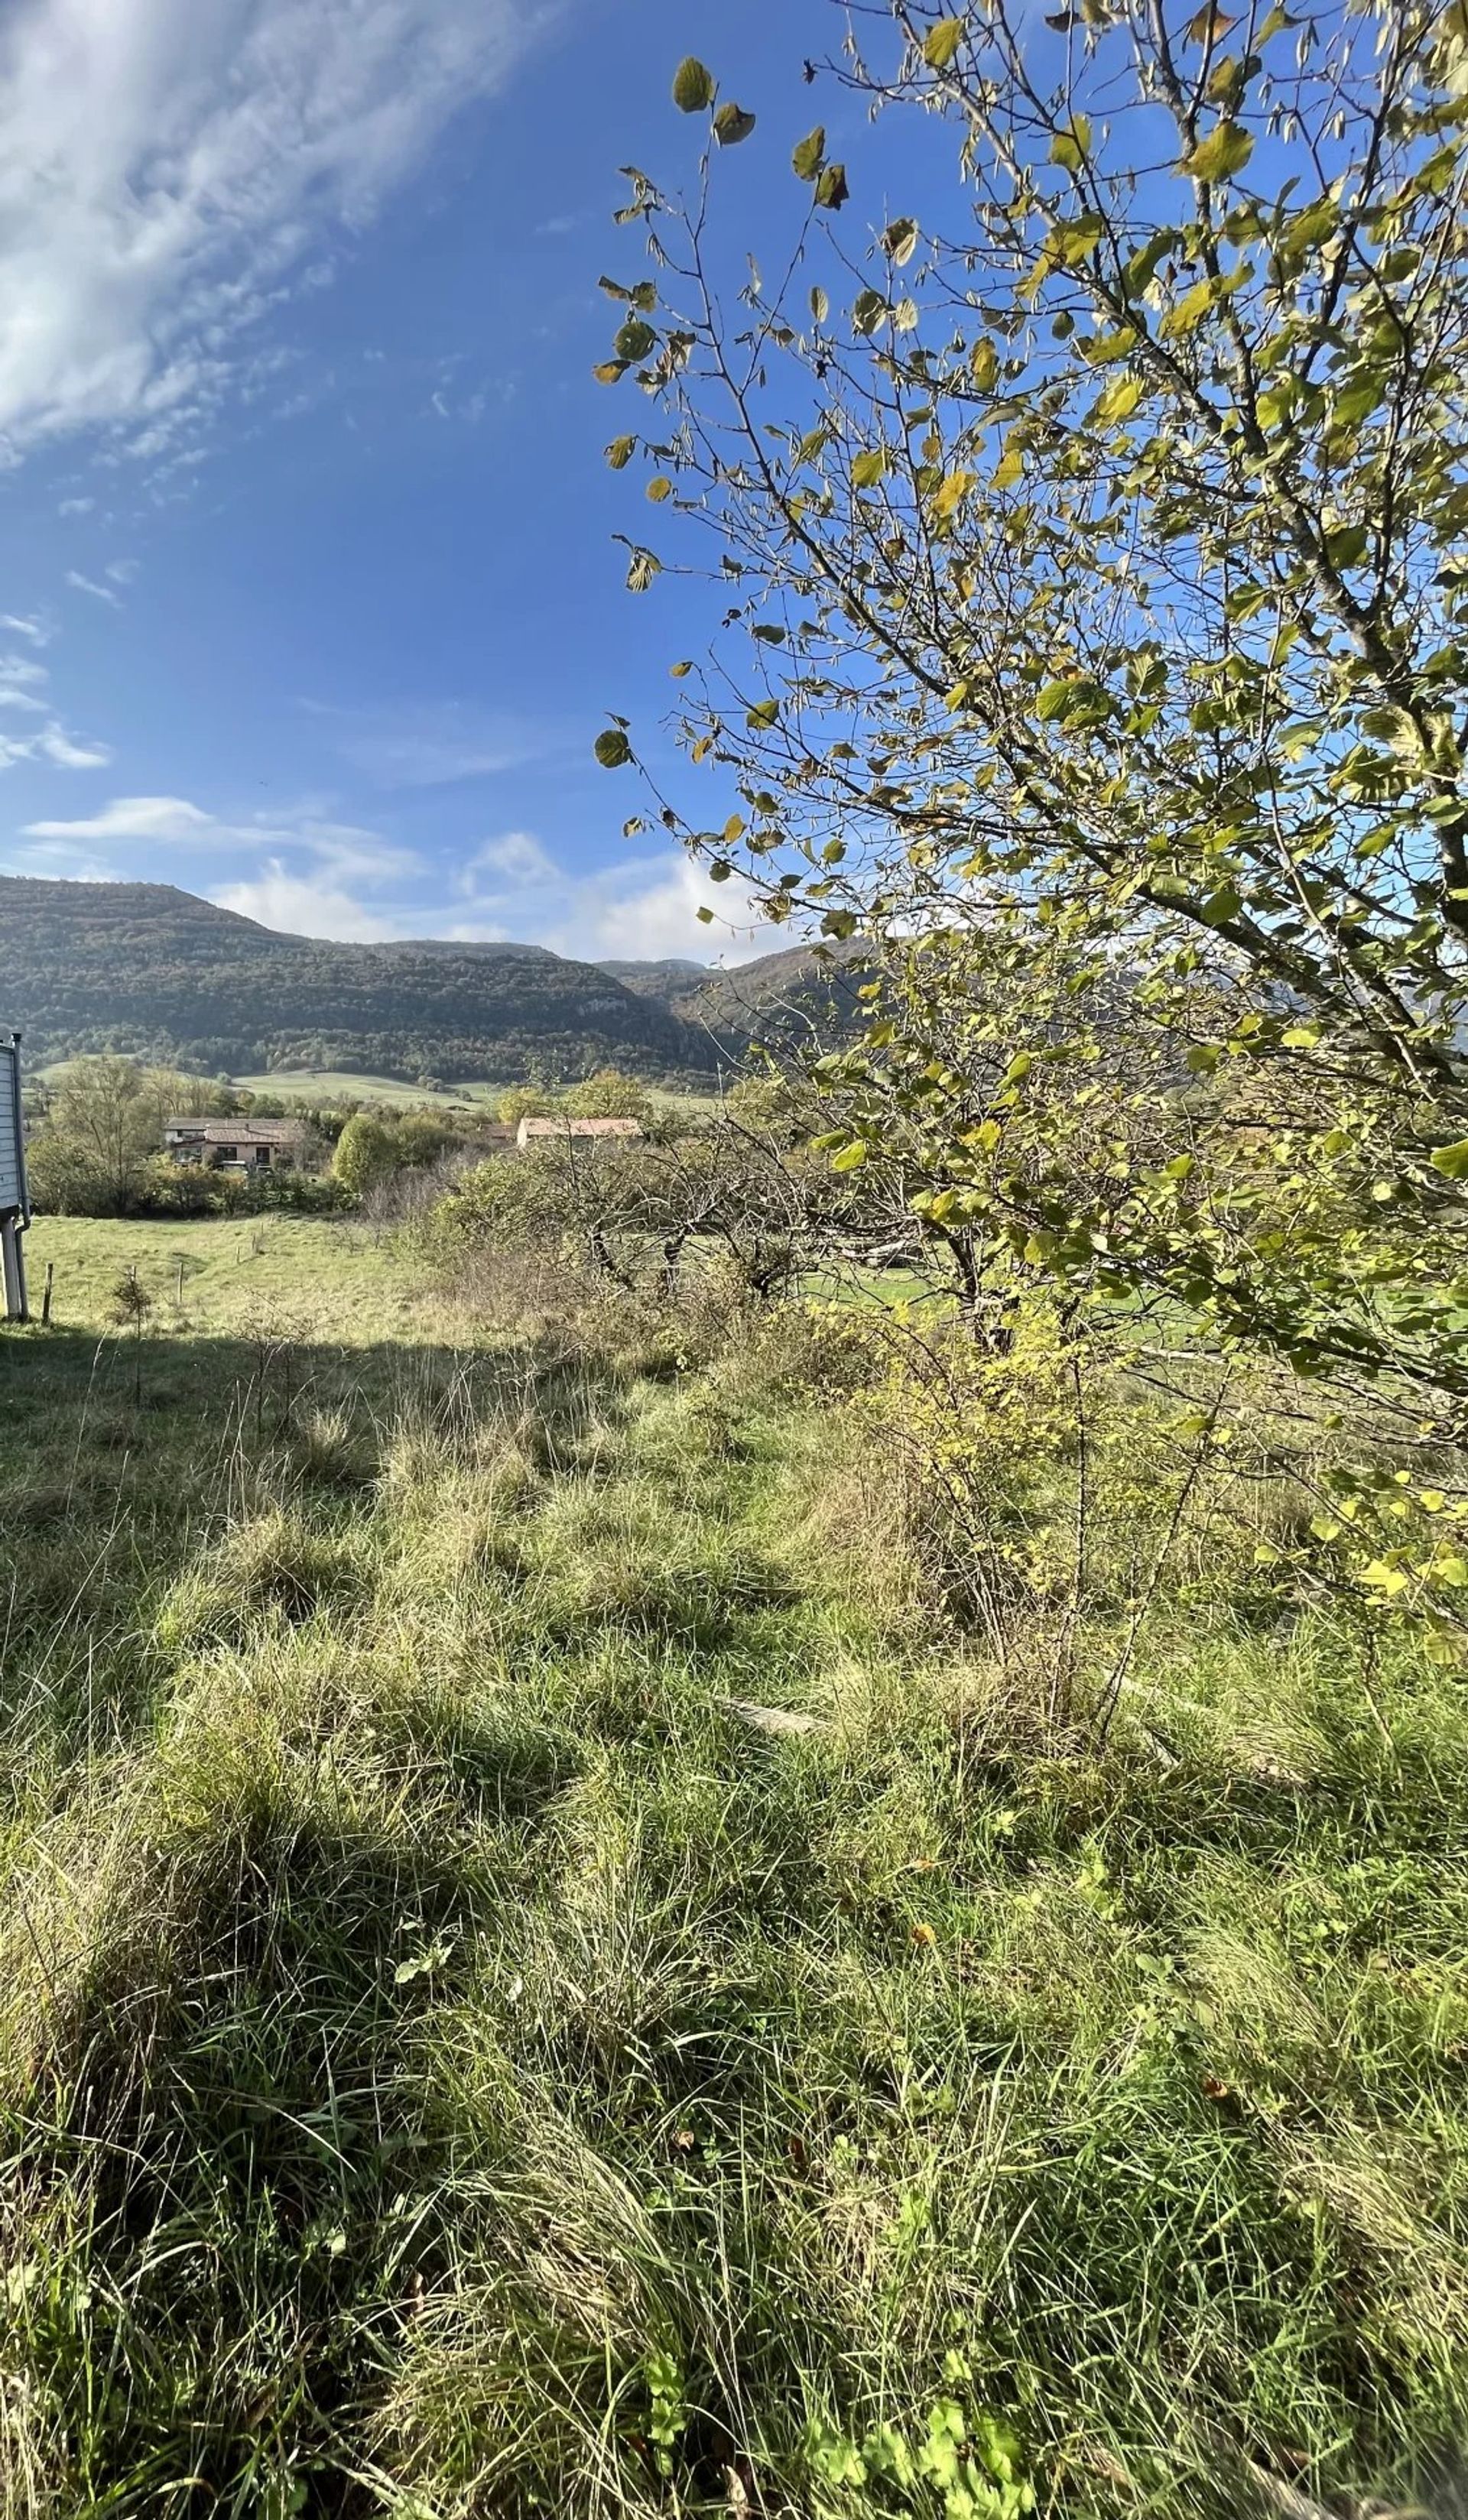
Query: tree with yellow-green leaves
(1095, 648)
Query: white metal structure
(15, 1201)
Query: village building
(563, 1127)
(15, 1199)
(236, 1146)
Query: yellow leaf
(950, 493)
(1118, 401)
(942, 42)
(983, 364)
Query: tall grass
(452, 2062)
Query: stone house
(236, 1146)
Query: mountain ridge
(163, 975)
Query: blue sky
(310, 595)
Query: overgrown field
(462, 2053)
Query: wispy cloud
(20, 682)
(90, 586)
(436, 744)
(56, 745)
(170, 171)
(23, 686)
(27, 625)
(76, 507)
(346, 850)
(132, 818)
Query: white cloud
(132, 818)
(23, 686)
(303, 907)
(89, 586)
(26, 625)
(310, 875)
(518, 857)
(340, 849)
(53, 858)
(307, 880)
(76, 507)
(56, 745)
(20, 683)
(171, 169)
(643, 910)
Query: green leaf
(942, 42)
(983, 365)
(620, 452)
(1070, 149)
(612, 749)
(869, 467)
(832, 189)
(731, 125)
(868, 311)
(848, 1159)
(1222, 907)
(762, 714)
(1451, 1161)
(1226, 151)
(659, 489)
(899, 240)
(692, 87)
(808, 155)
(634, 341)
(1191, 308)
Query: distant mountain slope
(783, 996)
(656, 979)
(155, 972)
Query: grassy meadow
(329, 1085)
(544, 1972)
(326, 1085)
(207, 1275)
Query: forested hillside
(155, 972)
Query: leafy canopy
(1096, 646)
